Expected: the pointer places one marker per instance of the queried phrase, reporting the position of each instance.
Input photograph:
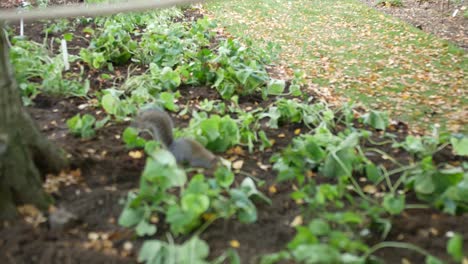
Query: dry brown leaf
(234, 243)
(298, 220)
(237, 165)
(272, 189)
(371, 189)
(262, 166)
(137, 154)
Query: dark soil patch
(429, 229)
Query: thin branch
(89, 10)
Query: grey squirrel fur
(185, 150)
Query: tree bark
(24, 153)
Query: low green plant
(376, 119)
(459, 144)
(131, 139)
(85, 126)
(238, 71)
(215, 132)
(56, 26)
(194, 250)
(293, 111)
(112, 44)
(455, 247)
(37, 71)
(113, 104)
(197, 200)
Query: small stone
(128, 246)
(61, 219)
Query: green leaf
(74, 124)
(101, 123)
(376, 119)
(393, 204)
(316, 254)
(181, 221)
(145, 229)
(109, 103)
(424, 184)
(131, 139)
(169, 79)
(130, 216)
(319, 227)
(433, 260)
(455, 247)
(414, 144)
(314, 151)
(247, 211)
(224, 176)
(151, 251)
(266, 143)
(210, 127)
(373, 173)
(194, 251)
(460, 145)
(339, 164)
(68, 36)
(295, 90)
(248, 185)
(197, 203)
(351, 141)
(82, 126)
(168, 100)
(303, 236)
(276, 87)
(275, 257)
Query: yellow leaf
(298, 220)
(237, 165)
(272, 189)
(234, 243)
(135, 154)
(370, 189)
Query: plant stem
(379, 143)
(417, 206)
(385, 155)
(353, 181)
(204, 226)
(394, 244)
(387, 179)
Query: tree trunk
(24, 153)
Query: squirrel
(185, 150)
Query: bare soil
(108, 173)
(433, 16)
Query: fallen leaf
(137, 154)
(298, 220)
(370, 189)
(234, 243)
(237, 165)
(272, 189)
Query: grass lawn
(360, 54)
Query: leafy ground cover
(361, 54)
(306, 182)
